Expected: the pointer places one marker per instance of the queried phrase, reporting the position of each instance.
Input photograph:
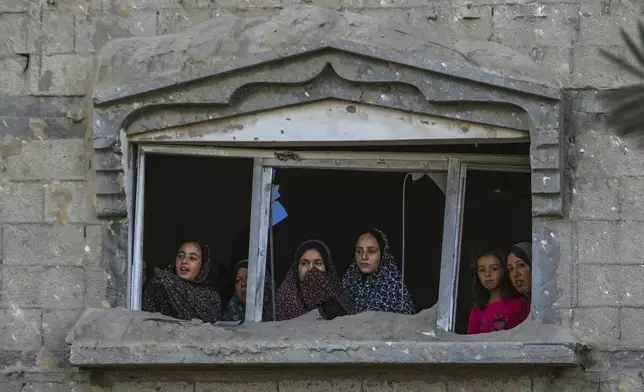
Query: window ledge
(110, 337)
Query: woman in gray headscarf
(519, 264)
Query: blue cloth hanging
(278, 212)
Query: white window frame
(455, 165)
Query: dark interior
(197, 197)
(209, 199)
(335, 206)
(497, 214)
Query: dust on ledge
(107, 327)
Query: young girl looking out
(497, 305)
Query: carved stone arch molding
(232, 66)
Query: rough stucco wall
(51, 242)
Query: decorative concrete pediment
(230, 67)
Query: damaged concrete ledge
(118, 337)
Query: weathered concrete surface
(331, 121)
(561, 35)
(128, 66)
(190, 78)
(118, 337)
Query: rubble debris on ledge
(111, 337)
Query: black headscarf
(321, 290)
(382, 290)
(180, 298)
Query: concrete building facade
(74, 107)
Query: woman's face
(310, 259)
(240, 283)
(368, 253)
(188, 261)
(489, 271)
(520, 274)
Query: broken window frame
(265, 161)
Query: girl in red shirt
(498, 307)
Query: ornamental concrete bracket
(232, 66)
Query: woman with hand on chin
(312, 283)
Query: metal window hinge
(287, 156)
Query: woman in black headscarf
(373, 281)
(180, 290)
(312, 283)
(236, 309)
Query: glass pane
(497, 214)
(336, 206)
(200, 198)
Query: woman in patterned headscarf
(180, 290)
(373, 282)
(312, 283)
(236, 310)
(519, 265)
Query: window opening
(496, 214)
(201, 198)
(446, 179)
(336, 206)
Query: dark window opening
(497, 214)
(210, 198)
(203, 197)
(334, 206)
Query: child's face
(490, 272)
(241, 280)
(188, 261)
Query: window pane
(336, 206)
(497, 214)
(201, 198)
